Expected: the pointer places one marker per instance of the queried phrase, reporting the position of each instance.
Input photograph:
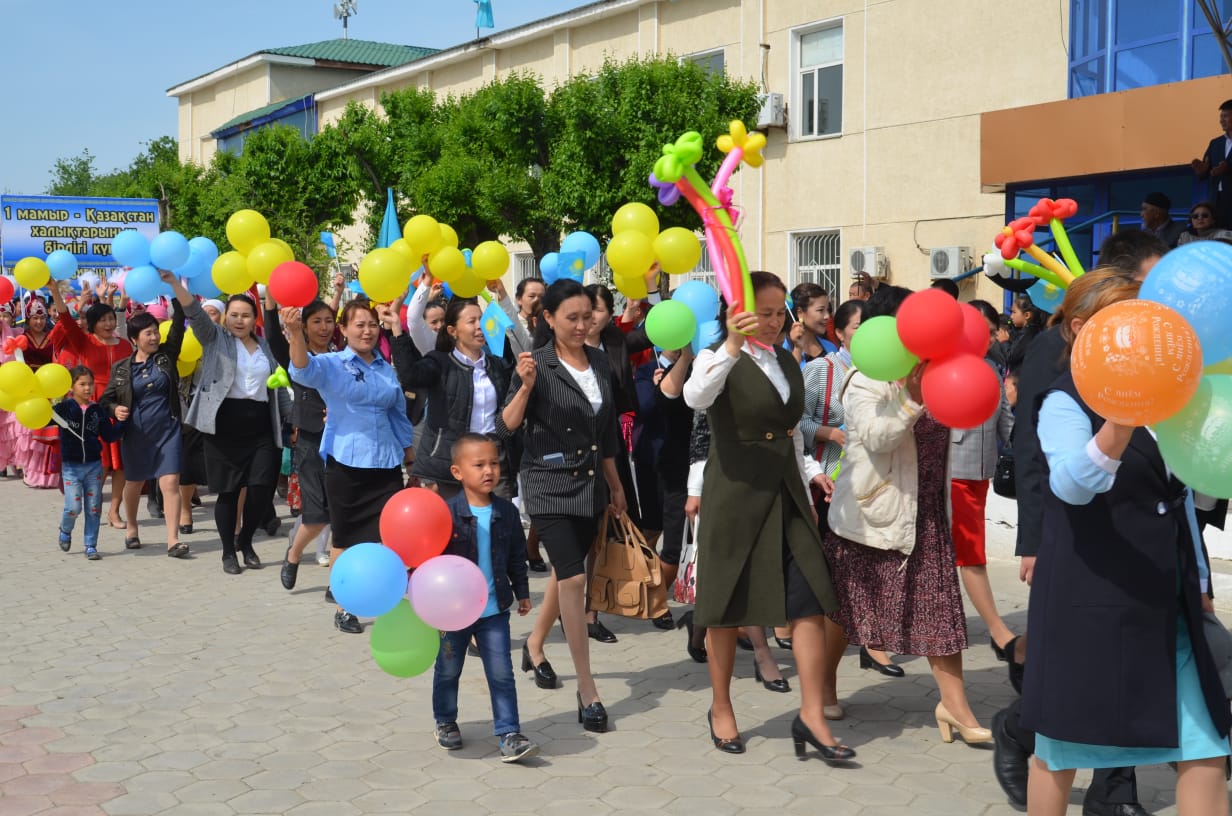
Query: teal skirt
(1197, 735)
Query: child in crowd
(82, 423)
(487, 530)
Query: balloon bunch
(688, 319)
(714, 203)
(1019, 236)
(188, 259)
(959, 388)
(385, 273)
(190, 349)
(637, 244)
(254, 257)
(34, 273)
(26, 393)
(446, 592)
(578, 252)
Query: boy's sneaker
(346, 622)
(66, 541)
(448, 736)
(514, 747)
(92, 554)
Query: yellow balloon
(246, 229)
(191, 349)
(230, 273)
(633, 288)
(185, 367)
(384, 275)
(290, 252)
(630, 254)
(53, 380)
(32, 273)
(637, 217)
(17, 379)
(34, 413)
(423, 234)
(8, 402)
(163, 328)
(468, 285)
(264, 257)
(1224, 367)
(403, 248)
(490, 260)
(447, 264)
(449, 238)
(678, 250)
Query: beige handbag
(627, 577)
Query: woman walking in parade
(37, 454)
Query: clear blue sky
(92, 74)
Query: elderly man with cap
(1157, 220)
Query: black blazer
(1216, 155)
(565, 441)
(1045, 359)
(1113, 578)
(618, 347)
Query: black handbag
(1003, 476)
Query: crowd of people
(837, 510)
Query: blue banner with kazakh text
(39, 225)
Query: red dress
(74, 347)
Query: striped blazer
(565, 440)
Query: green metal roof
(359, 52)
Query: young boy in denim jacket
(487, 530)
(82, 423)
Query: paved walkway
(143, 685)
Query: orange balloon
(1136, 362)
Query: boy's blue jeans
(83, 489)
(492, 636)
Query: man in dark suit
(1214, 166)
(1157, 219)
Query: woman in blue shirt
(366, 433)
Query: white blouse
(251, 373)
(589, 384)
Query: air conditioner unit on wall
(772, 113)
(869, 259)
(948, 262)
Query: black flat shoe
(186, 529)
(252, 561)
(1016, 669)
(744, 643)
(231, 565)
(664, 622)
(537, 565)
(346, 622)
(545, 678)
(800, 734)
(599, 632)
(888, 669)
(998, 651)
(592, 717)
(289, 572)
(178, 550)
(779, 685)
(132, 543)
(274, 525)
(784, 643)
(1009, 762)
(735, 745)
(196, 501)
(698, 653)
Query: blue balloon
(547, 267)
(707, 335)
(203, 286)
(169, 250)
(194, 266)
(584, 243)
(368, 580)
(701, 299)
(1196, 280)
(446, 291)
(1046, 296)
(204, 247)
(466, 254)
(130, 248)
(63, 264)
(142, 284)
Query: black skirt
(192, 457)
(310, 468)
(242, 451)
(356, 497)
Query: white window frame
(829, 276)
(796, 110)
(525, 265)
(703, 271)
(697, 57)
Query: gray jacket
(216, 375)
(519, 339)
(973, 452)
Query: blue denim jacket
(508, 546)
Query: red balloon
(962, 391)
(975, 333)
(6, 290)
(930, 324)
(294, 284)
(416, 524)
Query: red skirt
(968, 497)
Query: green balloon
(671, 325)
(1196, 442)
(402, 644)
(878, 353)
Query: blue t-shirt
(483, 523)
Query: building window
(816, 258)
(709, 61)
(524, 266)
(703, 271)
(1116, 45)
(818, 87)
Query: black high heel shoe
(592, 717)
(744, 643)
(800, 734)
(734, 745)
(888, 669)
(784, 643)
(545, 678)
(698, 653)
(779, 685)
(1003, 654)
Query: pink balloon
(448, 592)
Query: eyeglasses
(1197, 215)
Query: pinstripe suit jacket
(565, 440)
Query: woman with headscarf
(37, 455)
